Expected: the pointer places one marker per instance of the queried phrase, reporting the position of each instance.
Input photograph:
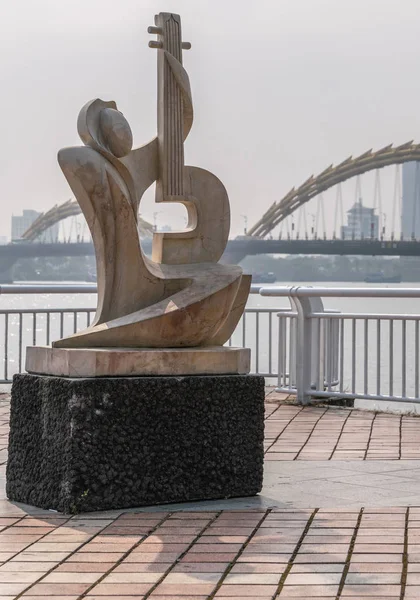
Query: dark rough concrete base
(91, 444)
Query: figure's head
(115, 132)
(102, 126)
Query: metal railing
(313, 352)
(24, 327)
(373, 356)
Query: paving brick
(252, 578)
(205, 557)
(72, 577)
(196, 577)
(14, 565)
(373, 591)
(12, 588)
(156, 594)
(132, 577)
(377, 558)
(376, 567)
(317, 568)
(157, 557)
(312, 578)
(84, 567)
(63, 589)
(18, 577)
(125, 567)
(120, 589)
(246, 591)
(185, 589)
(103, 597)
(215, 548)
(265, 558)
(94, 557)
(197, 567)
(30, 596)
(309, 591)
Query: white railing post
(284, 378)
(309, 348)
(281, 371)
(303, 350)
(292, 352)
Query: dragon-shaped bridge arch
(333, 175)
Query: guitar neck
(170, 108)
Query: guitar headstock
(168, 30)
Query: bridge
(236, 249)
(283, 228)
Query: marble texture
(182, 297)
(103, 362)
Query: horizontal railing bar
(301, 291)
(284, 291)
(363, 316)
(255, 288)
(43, 311)
(6, 311)
(14, 288)
(40, 311)
(263, 310)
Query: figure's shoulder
(79, 156)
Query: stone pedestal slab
(102, 443)
(111, 362)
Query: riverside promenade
(339, 517)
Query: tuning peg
(186, 45)
(157, 30)
(154, 44)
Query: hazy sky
(281, 88)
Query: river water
(265, 354)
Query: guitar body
(207, 231)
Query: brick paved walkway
(321, 554)
(315, 433)
(286, 553)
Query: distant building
(361, 223)
(20, 223)
(410, 217)
(3, 240)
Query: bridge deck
(241, 246)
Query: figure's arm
(143, 166)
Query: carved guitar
(202, 193)
(181, 297)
